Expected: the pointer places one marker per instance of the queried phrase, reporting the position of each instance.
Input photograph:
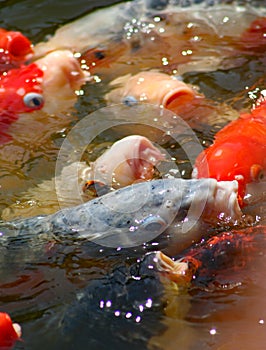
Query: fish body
(231, 250)
(141, 29)
(129, 298)
(15, 49)
(238, 152)
(9, 332)
(129, 160)
(138, 296)
(138, 213)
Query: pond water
(39, 279)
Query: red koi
(20, 92)
(10, 332)
(238, 152)
(15, 49)
(208, 262)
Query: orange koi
(238, 152)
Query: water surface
(39, 279)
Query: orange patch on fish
(238, 152)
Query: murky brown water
(38, 280)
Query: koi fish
(151, 35)
(15, 49)
(172, 93)
(9, 332)
(238, 153)
(113, 299)
(129, 160)
(62, 77)
(20, 92)
(48, 84)
(151, 87)
(138, 213)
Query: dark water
(38, 18)
(39, 279)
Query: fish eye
(33, 100)
(129, 101)
(153, 223)
(99, 55)
(257, 173)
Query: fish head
(49, 83)
(9, 332)
(21, 90)
(242, 160)
(62, 78)
(15, 49)
(151, 87)
(131, 159)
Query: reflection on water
(39, 278)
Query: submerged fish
(138, 213)
(181, 33)
(148, 297)
(15, 49)
(10, 332)
(238, 153)
(130, 298)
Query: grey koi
(138, 213)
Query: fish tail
(24, 227)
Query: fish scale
(135, 214)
